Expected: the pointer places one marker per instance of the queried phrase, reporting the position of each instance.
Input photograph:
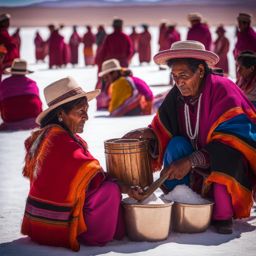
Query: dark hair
(247, 59)
(52, 116)
(192, 64)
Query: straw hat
(19, 67)
(109, 66)
(61, 92)
(194, 16)
(186, 49)
(244, 17)
(5, 16)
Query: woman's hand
(135, 192)
(178, 169)
(142, 133)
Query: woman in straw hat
(71, 199)
(205, 123)
(20, 102)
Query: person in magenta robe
(89, 40)
(199, 31)
(221, 48)
(3, 51)
(172, 35)
(56, 49)
(117, 45)
(20, 102)
(246, 36)
(17, 40)
(74, 42)
(162, 42)
(135, 39)
(144, 46)
(40, 47)
(7, 41)
(100, 37)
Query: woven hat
(109, 66)
(19, 67)
(5, 16)
(186, 49)
(195, 16)
(244, 17)
(61, 92)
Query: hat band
(18, 70)
(69, 94)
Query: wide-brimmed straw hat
(194, 16)
(109, 66)
(186, 49)
(244, 17)
(63, 91)
(19, 67)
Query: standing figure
(74, 42)
(7, 41)
(20, 102)
(246, 68)
(172, 35)
(144, 45)
(71, 200)
(40, 47)
(162, 36)
(117, 45)
(100, 37)
(88, 41)
(17, 39)
(199, 31)
(221, 48)
(135, 39)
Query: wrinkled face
(244, 71)
(76, 117)
(187, 82)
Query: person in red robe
(3, 51)
(40, 47)
(20, 102)
(144, 46)
(56, 49)
(89, 40)
(17, 39)
(66, 51)
(135, 39)
(221, 48)
(117, 45)
(7, 40)
(172, 35)
(162, 36)
(199, 31)
(74, 42)
(246, 36)
(100, 37)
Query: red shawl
(60, 170)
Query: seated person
(71, 199)
(246, 69)
(128, 95)
(205, 123)
(20, 103)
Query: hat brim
(101, 74)
(89, 95)
(25, 72)
(162, 57)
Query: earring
(60, 119)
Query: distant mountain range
(102, 3)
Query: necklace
(190, 134)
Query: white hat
(19, 67)
(5, 16)
(63, 91)
(109, 66)
(195, 16)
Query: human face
(76, 117)
(242, 25)
(110, 77)
(243, 71)
(187, 82)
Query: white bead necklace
(190, 134)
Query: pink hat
(186, 49)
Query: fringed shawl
(227, 121)
(60, 170)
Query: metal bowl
(150, 222)
(191, 218)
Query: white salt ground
(183, 194)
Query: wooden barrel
(128, 161)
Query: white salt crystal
(152, 199)
(183, 194)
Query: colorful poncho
(60, 170)
(227, 130)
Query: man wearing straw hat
(20, 103)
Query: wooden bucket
(128, 161)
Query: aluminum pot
(191, 218)
(150, 222)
